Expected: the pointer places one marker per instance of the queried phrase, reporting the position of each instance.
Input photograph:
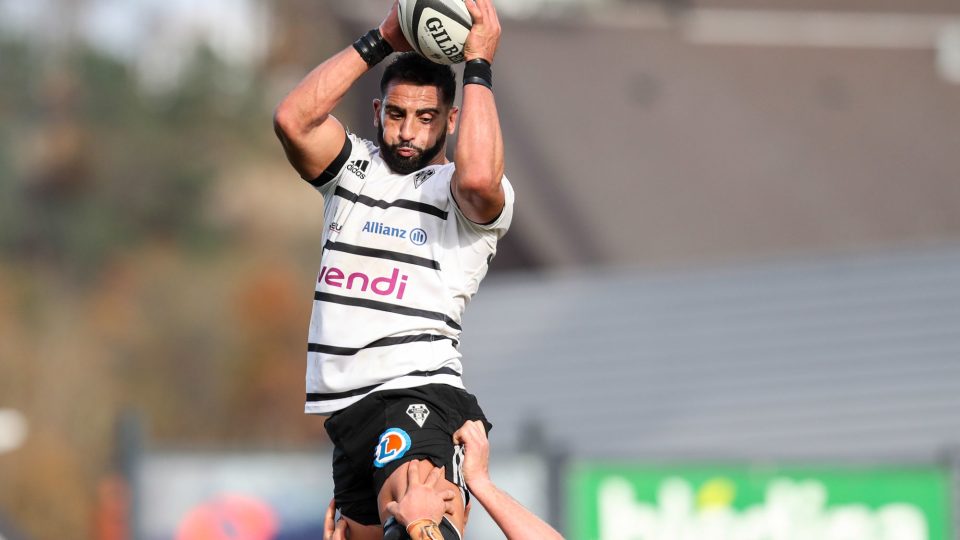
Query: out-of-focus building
(672, 134)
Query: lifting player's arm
(310, 136)
(516, 522)
(479, 151)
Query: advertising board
(632, 502)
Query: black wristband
(372, 47)
(477, 71)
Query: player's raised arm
(479, 151)
(310, 136)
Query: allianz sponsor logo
(393, 285)
(417, 236)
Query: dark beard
(407, 165)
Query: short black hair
(412, 68)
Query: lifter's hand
(332, 529)
(390, 30)
(476, 453)
(484, 36)
(421, 498)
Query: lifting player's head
(415, 112)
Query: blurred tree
(118, 289)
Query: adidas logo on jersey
(359, 167)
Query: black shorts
(386, 429)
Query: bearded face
(412, 126)
(405, 157)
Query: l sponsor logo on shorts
(393, 444)
(419, 412)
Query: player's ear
(376, 112)
(452, 120)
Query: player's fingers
(492, 14)
(328, 523)
(340, 532)
(486, 8)
(391, 507)
(440, 474)
(481, 431)
(433, 477)
(460, 436)
(427, 470)
(466, 427)
(476, 13)
(413, 473)
(331, 509)
(492, 18)
(479, 437)
(449, 501)
(470, 432)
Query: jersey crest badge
(393, 444)
(419, 412)
(422, 177)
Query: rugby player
(408, 236)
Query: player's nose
(407, 132)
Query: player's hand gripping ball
(437, 29)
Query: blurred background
(728, 307)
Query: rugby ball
(436, 29)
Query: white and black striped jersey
(400, 263)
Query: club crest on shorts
(419, 412)
(393, 444)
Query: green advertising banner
(628, 502)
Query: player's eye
(395, 115)
(426, 118)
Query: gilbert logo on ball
(437, 29)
